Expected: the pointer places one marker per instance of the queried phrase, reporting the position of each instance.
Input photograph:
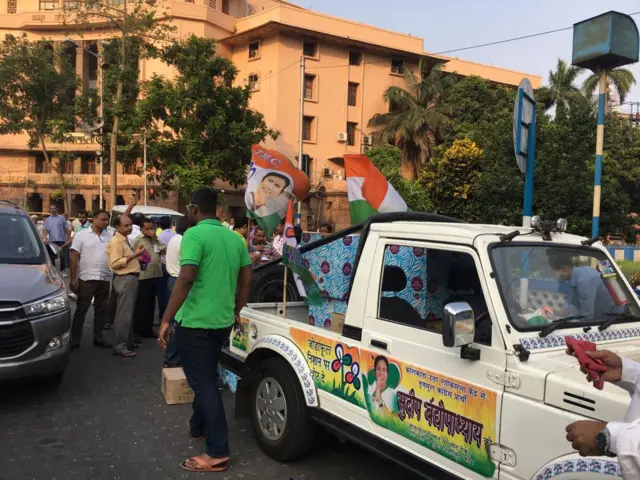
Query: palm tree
(417, 118)
(561, 88)
(621, 78)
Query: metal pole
(144, 166)
(595, 226)
(530, 168)
(101, 116)
(301, 142)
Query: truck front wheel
(278, 411)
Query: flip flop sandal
(203, 466)
(125, 353)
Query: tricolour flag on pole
(291, 257)
(368, 190)
(272, 181)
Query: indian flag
(368, 190)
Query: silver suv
(35, 318)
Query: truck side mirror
(459, 325)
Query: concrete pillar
(82, 67)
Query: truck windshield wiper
(614, 317)
(557, 324)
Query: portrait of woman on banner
(383, 398)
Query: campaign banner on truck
(335, 366)
(272, 181)
(449, 416)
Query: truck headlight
(47, 305)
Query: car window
(417, 284)
(19, 243)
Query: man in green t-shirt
(211, 289)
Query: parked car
(35, 318)
(147, 210)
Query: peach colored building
(349, 65)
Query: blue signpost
(524, 139)
(600, 44)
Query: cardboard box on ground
(175, 387)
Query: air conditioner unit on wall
(366, 140)
(342, 136)
(327, 172)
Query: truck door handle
(379, 344)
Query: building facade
(348, 66)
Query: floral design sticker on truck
(335, 366)
(444, 414)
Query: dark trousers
(145, 308)
(171, 355)
(87, 291)
(200, 352)
(163, 292)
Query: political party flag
(368, 190)
(272, 182)
(289, 232)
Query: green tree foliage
(388, 160)
(200, 125)
(450, 177)
(38, 97)
(417, 119)
(138, 26)
(620, 78)
(561, 88)
(483, 113)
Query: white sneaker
(73, 296)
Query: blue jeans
(171, 355)
(200, 352)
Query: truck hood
(567, 388)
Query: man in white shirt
(279, 240)
(614, 439)
(171, 357)
(91, 278)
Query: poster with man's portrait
(272, 181)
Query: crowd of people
(126, 269)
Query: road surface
(108, 420)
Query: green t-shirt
(219, 255)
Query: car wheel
(279, 413)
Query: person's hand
(140, 250)
(73, 285)
(582, 435)
(256, 256)
(608, 358)
(164, 335)
(238, 322)
(135, 198)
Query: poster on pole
(272, 181)
(522, 118)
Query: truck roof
(464, 232)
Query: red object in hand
(593, 367)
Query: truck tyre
(278, 411)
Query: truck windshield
(542, 284)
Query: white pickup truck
(450, 358)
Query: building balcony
(52, 15)
(72, 180)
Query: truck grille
(15, 338)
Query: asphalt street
(108, 420)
